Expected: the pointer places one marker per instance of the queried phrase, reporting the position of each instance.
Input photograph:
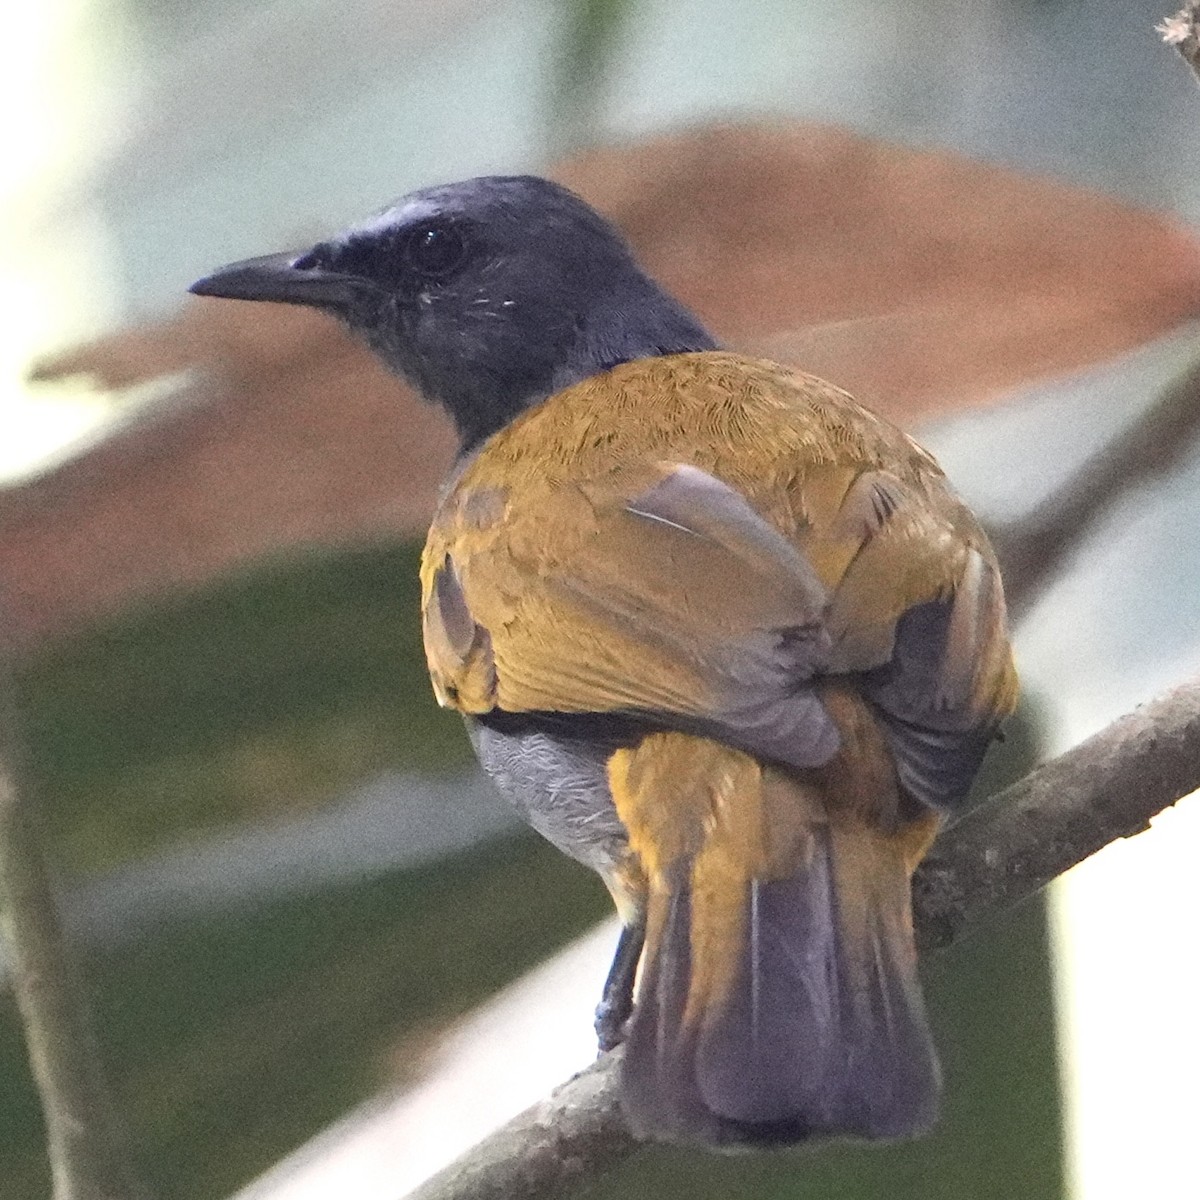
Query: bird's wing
(917, 617)
(664, 592)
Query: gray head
(487, 295)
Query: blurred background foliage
(271, 691)
(268, 693)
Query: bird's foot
(611, 1016)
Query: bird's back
(589, 603)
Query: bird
(719, 633)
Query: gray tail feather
(822, 1031)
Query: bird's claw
(610, 1024)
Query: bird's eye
(434, 250)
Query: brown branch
(1183, 32)
(86, 1151)
(1107, 788)
(1035, 549)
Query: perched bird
(719, 633)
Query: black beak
(282, 278)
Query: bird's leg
(616, 1001)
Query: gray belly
(560, 786)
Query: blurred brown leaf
(244, 342)
(920, 280)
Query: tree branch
(1183, 32)
(1108, 787)
(1035, 549)
(86, 1151)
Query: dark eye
(434, 250)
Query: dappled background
(284, 878)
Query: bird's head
(487, 295)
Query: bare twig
(1104, 789)
(86, 1152)
(1034, 550)
(575, 1135)
(1183, 32)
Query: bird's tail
(778, 999)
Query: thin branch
(1107, 788)
(555, 1145)
(86, 1151)
(1183, 32)
(1036, 549)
